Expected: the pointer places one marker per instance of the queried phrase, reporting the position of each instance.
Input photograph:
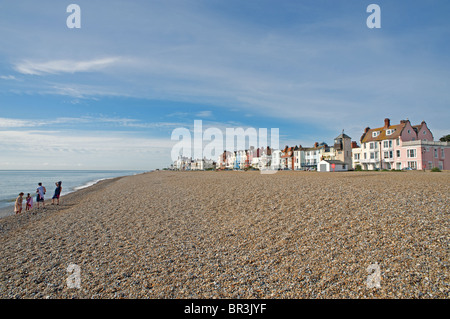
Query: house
(402, 146)
(313, 155)
(299, 158)
(287, 157)
(332, 166)
(356, 155)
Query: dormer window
(375, 134)
(389, 132)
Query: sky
(110, 94)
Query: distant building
(332, 166)
(343, 149)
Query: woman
(57, 193)
(18, 204)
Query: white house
(332, 166)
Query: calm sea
(14, 182)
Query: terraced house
(401, 146)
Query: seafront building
(399, 146)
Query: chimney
(316, 144)
(354, 144)
(366, 130)
(387, 123)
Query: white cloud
(92, 150)
(203, 114)
(63, 66)
(8, 77)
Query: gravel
(236, 235)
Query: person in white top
(40, 195)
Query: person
(57, 193)
(40, 195)
(18, 204)
(29, 204)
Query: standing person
(57, 193)
(40, 195)
(18, 204)
(29, 204)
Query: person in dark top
(57, 193)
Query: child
(18, 204)
(29, 204)
(57, 193)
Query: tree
(445, 138)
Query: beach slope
(236, 235)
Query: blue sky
(109, 95)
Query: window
(436, 153)
(391, 154)
(365, 155)
(412, 165)
(424, 132)
(372, 155)
(386, 154)
(387, 144)
(375, 134)
(398, 141)
(398, 153)
(371, 145)
(411, 153)
(442, 153)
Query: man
(40, 195)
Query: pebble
(236, 235)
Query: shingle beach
(236, 234)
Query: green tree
(445, 138)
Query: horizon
(107, 96)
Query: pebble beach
(233, 234)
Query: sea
(13, 182)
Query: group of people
(40, 192)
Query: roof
(367, 137)
(315, 148)
(343, 136)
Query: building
(287, 157)
(401, 146)
(332, 166)
(343, 149)
(313, 155)
(356, 155)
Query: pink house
(403, 146)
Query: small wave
(8, 200)
(91, 183)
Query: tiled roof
(368, 137)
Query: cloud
(93, 150)
(63, 66)
(203, 114)
(8, 77)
